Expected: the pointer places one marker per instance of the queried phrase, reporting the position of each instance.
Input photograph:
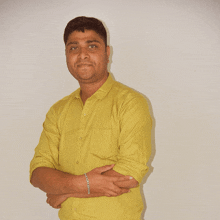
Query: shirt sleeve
(46, 152)
(135, 138)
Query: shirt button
(84, 114)
(77, 162)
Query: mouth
(84, 64)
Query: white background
(168, 50)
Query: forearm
(57, 183)
(54, 181)
(55, 200)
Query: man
(95, 143)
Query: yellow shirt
(113, 127)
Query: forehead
(83, 37)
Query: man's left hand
(56, 200)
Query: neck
(88, 89)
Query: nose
(83, 53)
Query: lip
(84, 64)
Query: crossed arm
(134, 142)
(59, 186)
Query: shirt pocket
(103, 144)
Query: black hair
(85, 23)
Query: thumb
(104, 168)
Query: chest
(89, 137)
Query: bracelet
(87, 180)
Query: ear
(108, 50)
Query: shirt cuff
(35, 165)
(137, 171)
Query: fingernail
(130, 177)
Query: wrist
(87, 182)
(79, 184)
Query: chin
(86, 79)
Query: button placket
(81, 133)
(83, 123)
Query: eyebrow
(92, 41)
(73, 42)
(88, 42)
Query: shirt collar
(101, 92)
(76, 94)
(105, 88)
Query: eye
(73, 48)
(92, 46)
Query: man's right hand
(104, 185)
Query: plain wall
(169, 50)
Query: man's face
(87, 56)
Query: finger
(48, 195)
(121, 178)
(118, 192)
(114, 190)
(123, 184)
(126, 184)
(56, 206)
(104, 168)
(125, 191)
(112, 194)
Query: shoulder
(132, 105)
(62, 105)
(127, 95)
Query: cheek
(70, 62)
(70, 66)
(102, 60)
(105, 61)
